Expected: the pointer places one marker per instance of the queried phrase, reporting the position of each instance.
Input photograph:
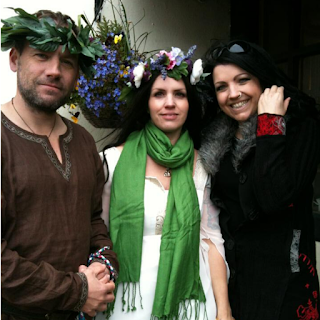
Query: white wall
(179, 23)
(8, 78)
(70, 7)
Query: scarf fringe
(129, 294)
(187, 311)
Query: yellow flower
(123, 70)
(74, 119)
(126, 71)
(73, 106)
(117, 38)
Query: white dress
(155, 199)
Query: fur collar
(219, 138)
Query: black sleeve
(285, 165)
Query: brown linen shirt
(50, 217)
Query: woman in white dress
(156, 202)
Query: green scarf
(178, 278)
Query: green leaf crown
(43, 34)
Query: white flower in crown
(138, 74)
(197, 72)
(175, 51)
(177, 55)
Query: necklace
(167, 173)
(54, 123)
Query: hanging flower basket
(98, 97)
(108, 118)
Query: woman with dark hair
(156, 201)
(138, 115)
(262, 150)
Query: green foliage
(43, 34)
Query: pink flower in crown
(172, 60)
(171, 64)
(162, 52)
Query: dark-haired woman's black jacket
(271, 249)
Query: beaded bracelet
(98, 255)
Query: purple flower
(189, 63)
(146, 75)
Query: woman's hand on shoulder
(272, 101)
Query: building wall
(8, 78)
(179, 23)
(71, 7)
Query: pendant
(167, 173)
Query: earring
(240, 94)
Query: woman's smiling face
(238, 92)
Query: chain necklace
(54, 123)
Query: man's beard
(36, 102)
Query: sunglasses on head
(233, 47)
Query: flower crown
(43, 34)
(173, 64)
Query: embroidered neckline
(43, 141)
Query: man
(52, 178)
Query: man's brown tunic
(50, 217)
